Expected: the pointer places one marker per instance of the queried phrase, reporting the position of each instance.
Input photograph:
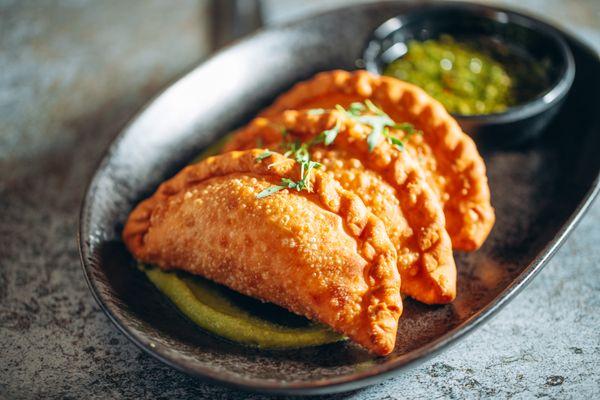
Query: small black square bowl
(540, 41)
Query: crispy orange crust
(390, 182)
(455, 168)
(320, 254)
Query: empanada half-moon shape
(455, 169)
(390, 182)
(320, 254)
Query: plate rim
(355, 380)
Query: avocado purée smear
(223, 313)
(233, 316)
(469, 77)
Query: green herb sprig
(379, 122)
(366, 113)
(263, 155)
(300, 153)
(328, 136)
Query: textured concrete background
(71, 73)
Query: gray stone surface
(71, 73)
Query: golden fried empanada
(390, 182)
(317, 252)
(455, 169)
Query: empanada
(455, 169)
(317, 252)
(389, 181)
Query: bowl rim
(555, 92)
(342, 383)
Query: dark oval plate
(539, 192)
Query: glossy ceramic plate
(540, 191)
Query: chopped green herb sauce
(470, 77)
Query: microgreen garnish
(328, 136)
(316, 111)
(394, 141)
(379, 122)
(299, 152)
(263, 155)
(355, 108)
(373, 138)
(374, 109)
(269, 191)
(409, 129)
(366, 113)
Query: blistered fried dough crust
(390, 182)
(320, 254)
(455, 168)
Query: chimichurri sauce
(470, 77)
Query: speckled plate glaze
(540, 191)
